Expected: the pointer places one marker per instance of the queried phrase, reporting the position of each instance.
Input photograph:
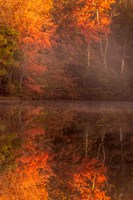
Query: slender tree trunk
(98, 153)
(103, 51)
(121, 142)
(86, 142)
(93, 184)
(89, 55)
(121, 134)
(123, 57)
(122, 65)
(103, 149)
(20, 81)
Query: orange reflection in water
(28, 181)
(89, 181)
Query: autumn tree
(59, 83)
(63, 84)
(80, 24)
(29, 178)
(33, 22)
(9, 60)
(117, 80)
(89, 181)
(31, 18)
(122, 30)
(93, 19)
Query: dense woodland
(66, 49)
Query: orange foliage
(89, 181)
(34, 131)
(27, 181)
(30, 17)
(93, 18)
(30, 178)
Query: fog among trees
(66, 49)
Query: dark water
(66, 150)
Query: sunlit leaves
(31, 18)
(89, 181)
(93, 18)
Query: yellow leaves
(105, 21)
(29, 17)
(26, 182)
(93, 17)
(32, 17)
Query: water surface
(66, 150)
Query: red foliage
(93, 18)
(89, 181)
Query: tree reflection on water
(54, 152)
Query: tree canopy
(66, 49)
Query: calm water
(66, 151)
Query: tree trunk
(89, 55)
(103, 149)
(86, 142)
(123, 56)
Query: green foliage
(9, 60)
(8, 45)
(9, 143)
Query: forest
(66, 49)
(56, 152)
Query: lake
(63, 150)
